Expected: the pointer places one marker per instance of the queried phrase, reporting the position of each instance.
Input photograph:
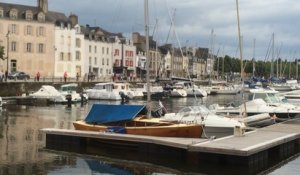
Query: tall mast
(272, 62)
(241, 55)
(146, 15)
(253, 64)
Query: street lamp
(7, 53)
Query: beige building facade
(28, 36)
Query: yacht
(224, 90)
(192, 89)
(215, 125)
(109, 91)
(49, 93)
(292, 97)
(178, 91)
(71, 89)
(261, 101)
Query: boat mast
(241, 55)
(146, 15)
(272, 62)
(253, 64)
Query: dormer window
(41, 16)
(28, 15)
(13, 13)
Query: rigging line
(116, 15)
(181, 52)
(171, 25)
(268, 50)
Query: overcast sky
(195, 20)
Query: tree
(2, 52)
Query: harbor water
(22, 145)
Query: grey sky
(194, 21)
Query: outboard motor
(69, 100)
(124, 98)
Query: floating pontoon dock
(256, 150)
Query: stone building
(156, 61)
(28, 35)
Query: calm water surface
(22, 153)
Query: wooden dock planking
(251, 143)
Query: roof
(51, 16)
(107, 113)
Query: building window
(41, 16)
(69, 56)
(41, 48)
(107, 61)
(13, 65)
(107, 51)
(13, 29)
(13, 47)
(95, 48)
(28, 15)
(13, 14)
(78, 55)
(61, 56)
(41, 31)
(90, 48)
(102, 61)
(102, 50)
(29, 30)
(78, 43)
(28, 47)
(116, 52)
(95, 60)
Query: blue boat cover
(106, 113)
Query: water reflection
(103, 165)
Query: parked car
(18, 75)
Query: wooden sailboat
(136, 119)
(132, 119)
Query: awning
(106, 113)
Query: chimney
(73, 19)
(43, 5)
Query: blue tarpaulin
(106, 113)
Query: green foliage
(2, 52)
(286, 68)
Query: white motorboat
(292, 97)
(283, 87)
(257, 106)
(178, 91)
(272, 98)
(71, 89)
(224, 90)
(49, 93)
(109, 91)
(192, 89)
(215, 125)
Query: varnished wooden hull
(161, 130)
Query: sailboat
(136, 119)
